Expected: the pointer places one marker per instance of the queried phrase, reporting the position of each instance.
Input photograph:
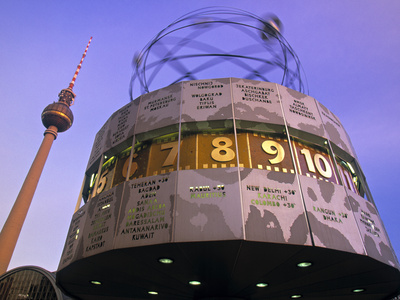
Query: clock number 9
(274, 148)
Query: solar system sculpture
(214, 185)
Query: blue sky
(349, 51)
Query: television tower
(56, 117)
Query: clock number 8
(222, 152)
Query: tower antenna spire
(72, 83)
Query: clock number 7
(169, 161)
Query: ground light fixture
(152, 292)
(304, 264)
(262, 284)
(360, 290)
(194, 282)
(95, 282)
(296, 296)
(165, 260)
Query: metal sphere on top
(59, 114)
(217, 42)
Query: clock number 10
(320, 162)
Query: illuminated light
(165, 260)
(194, 282)
(108, 161)
(106, 206)
(304, 264)
(91, 180)
(261, 284)
(296, 296)
(351, 168)
(358, 290)
(95, 282)
(152, 292)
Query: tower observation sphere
(59, 114)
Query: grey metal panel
(74, 237)
(272, 207)
(352, 147)
(334, 129)
(301, 112)
(146, 211)
(98, 145)
(122, 124)
(331, 219)
(206, 100)
(102, 215)
(208, 205)
(256, 101)
(159, 109)
(373, 233)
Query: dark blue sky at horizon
(348, 49)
